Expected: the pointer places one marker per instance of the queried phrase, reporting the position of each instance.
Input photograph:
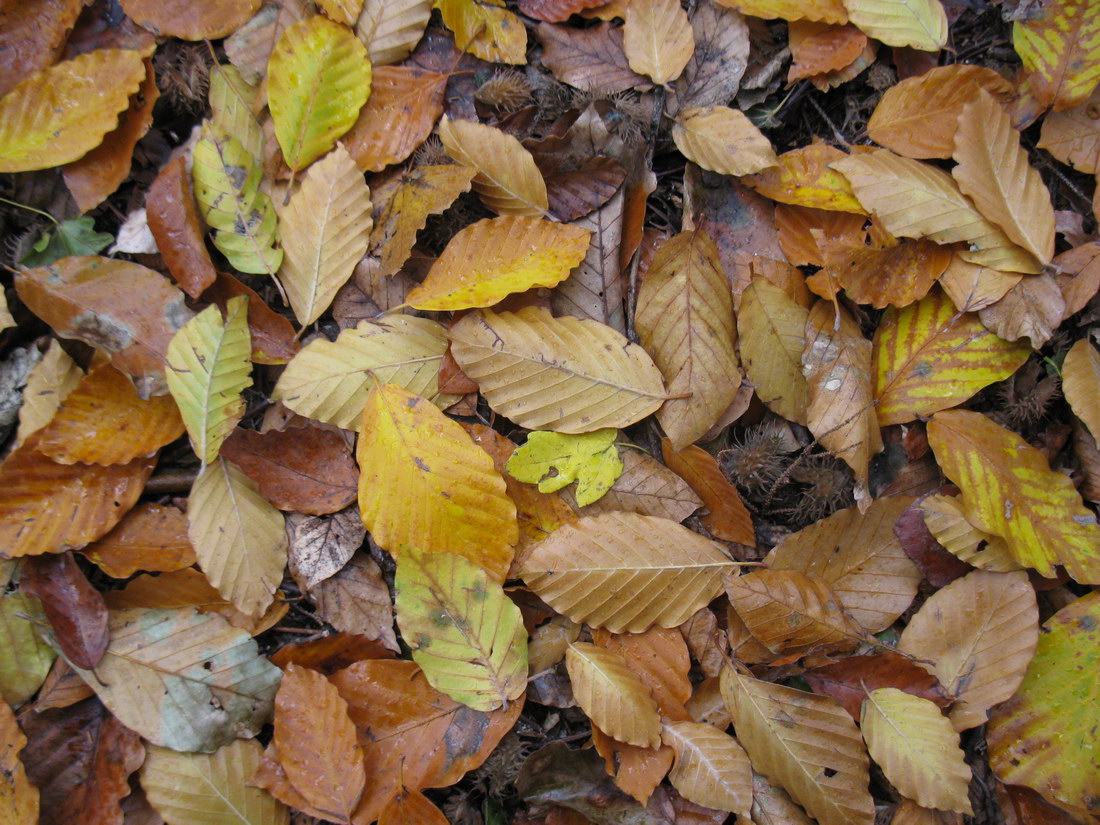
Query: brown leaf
(1078, 276)
(331, 653)
(803, 178)
(150, 537)
(556, 11)
(592, 59)
(817, 48)
(659, 657)
(713, 75)
(898, 275)
(273, 337)
(595, 287)
(636, 770)
(320, 546)
(118, 306)
(80, 758)
(938, 566)
(645, 486)
(574, 193)
(658, 39)
(317, 744)
(174, 222)
(206, 19)
(803, 232)
(403, 106)
(728, 519)
(973, 287)
(356, 600)
(707, 642)
(612, 695)
(63, 687)
(411, 808)
(1032, 309)
(77, 614)
(32, 36)
(1072, 137)
(18, 796)
(849, 680)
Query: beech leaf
(712, 769)
(507, 178)
(920, 24)
(612, 696)
(1081, 383)
(485, 29)
(391, 28)
(1059, 50)
(658, 39)
(722, 140)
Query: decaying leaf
(18, 796)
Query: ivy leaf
(555, 460)
(76, 236)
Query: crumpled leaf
(919, 24)
(1060, 49)
(555, 460)
(612, 696)
(507, 180)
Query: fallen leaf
(19, 796)
(1078, 276)
(893, 275)
(485, 29)
(849, 680)
(76, 612)
(973, 287)
(507, 179)
(712, 77)
(356, 600)
(27, 658)
(612, 696)
(1071, 136)
(174, 222)
(391, 29)
(150, 537)
(589, 59)
(48, 384)
(553, 461)
(1081, 383)
(595, 289)
(411, 808)
(935, 563)
(232, 108)
(648, 487)
(952, 528)
(319, 547)
(32, 38)
(403, 107)
(711, 769)
(658, 40)
(919, 24)
(727, 519)
(803, 177)
(205, 20)
(272, 334)
(826, 11)
(556, 11)
(818, 48)
(771, 328)
(1059, 49)
(331, 653)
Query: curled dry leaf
(612, 696)
(507, 179)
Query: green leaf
(554, 460)
(466, 634)
(24, 658)
(76, 236)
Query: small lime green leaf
(554, 460)
(465, 633)
(76, 236)
(318, 78)
(207, 369)
(227, 188)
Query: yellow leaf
(227, 189)
(1081, 383)
(920, 24)
(1047, 736)
(49, 382)
(554, 460)
(195, 788)
(231, 101)
(772, 331)
(6, 320)
(425, 484)
(976, 635)
(626, 572)
(918, 116)
(824, 11)
(915, 200)
(917, 749)
(712, 769)
(836, 361)
(208, 368)
(722, 140)
(491, 259)
(507, 179)
(239, 538)
(1060, 49)
(994, 172)
(342, 11)
(945, 519)
(928, 357)
(325, 230)
(329, 380)
(61, 113)
(807, 744)
(526, 362)
(1008, 489)
(27, 658)
(318, 79)
(18, 797)
(485, 29)
(612, 696)
(658, 39)
(392, 28)
(685, 321)
(802, 177)
(465, 633)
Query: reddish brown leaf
(31, 37)
(63, 687)
(150, 537)
(80, 758)
(273, 338)
(452, 380)
(411, 808)
(556, 11)
(190, 20)
(899, 275)
(803, 231)
(174, 222)
(77, 614)
(574, 193)
(728, 518)
(1078, 276)
(938, 566)
(849, 680)
(636, 770)
(308, 469)
(590, 59)
(331, 653)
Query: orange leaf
(316, 742)
(659, 657)
(897, 275)
(817, 48)
(403, 107)
(827, 11)
(803, 178)
(612, 695)
(636, 770)
(174, 222)
(49, 507)
(103, 421)
(728, 519)
(411, 808)
(802, 230)
(1060, 49)
(190, 20)
(150, 537)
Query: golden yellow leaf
(1008, 489)
(231, 101)
(684, 319)
(485, 29)
(239, 537)
(342, 11)
(994, 172)
(318, 79)
(927, 357)
(626, 572)
(554, 460)
(392, 28)
(918, 116)
(772, 331)
(805, 743)
(325, 229)
(825, 11)
(836, 361)
(491, 259)
(802, 177)
(1060, 49)
(915, 200)
(6, 319)
(920, 24)
(1081, 383)
(48, 384)
(977, 636)
(722, 140)
(61, 113)
(946, 520)
(525, 363)
(507, 180)
(658, 39)
(917, 749)
(712, 769)
(612, 696)
(330, 380)
(861, 557)
(18, 797)
(425, 484)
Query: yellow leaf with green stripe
(1060, 49)
(1009, 490)
(207, 369)
(465, 633)
(928, 357)
(318, 79)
